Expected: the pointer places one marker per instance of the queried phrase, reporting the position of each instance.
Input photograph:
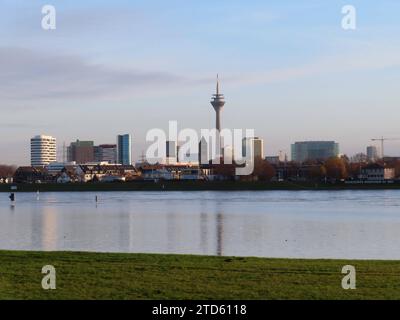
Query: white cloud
(367, 58)
(28, 75)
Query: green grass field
(144, 276)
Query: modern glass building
(314, 150)
(257, 146)
(372, 153)
(171, 154)
(105, 153)
(124, 149)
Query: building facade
(203, 152)
(105, 153)
(81, 152)
(314, 150)
(171, 152)
(377, 172)
(273, 159)
(124, 149)
(372, 153)
(43, 150)
(257, 147)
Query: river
(287, 224)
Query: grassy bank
(194, 186)
(142, 276)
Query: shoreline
(88, 275)
(194, 186)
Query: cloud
(28, 75)
(365, 59)
(18, 125)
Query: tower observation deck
(218, 102)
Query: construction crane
(382, 140)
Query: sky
(287, 68)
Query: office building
(372, 153)
(105, 153)
(81, 152)
(43, 150)
(124, 149)
(273, 159)
(171, 152)
(257, 147)
(203, 151)
(314, 150)
(377, 172)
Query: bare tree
(7, 171)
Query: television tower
(218, 101)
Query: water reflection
(272, 224)
(220, 233)
(49, 229)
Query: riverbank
(150, 276)
(193, 186)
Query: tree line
(7, 171)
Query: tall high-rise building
(178, 157)
(314, 150)
(218, 102)
(372, 153)
(81, 152)
(124, 149)
(105, 153)
(43, 150)
(171, 152)
(257, 146)
(203, 151)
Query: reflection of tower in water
(218, 102)
(220, 233)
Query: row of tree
(342, 168)
(336, 168)
(7, 171)
(263, 170)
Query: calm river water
(291, 224)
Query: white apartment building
(43, 150)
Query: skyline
(289, 73)
(63, 155)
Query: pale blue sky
(287, 68)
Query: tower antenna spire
(218, 102)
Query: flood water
(289, 224)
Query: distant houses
(73, 173)
(330, 171)
(7, 174)
(105, 172)
(377, 172)
(174, 172)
